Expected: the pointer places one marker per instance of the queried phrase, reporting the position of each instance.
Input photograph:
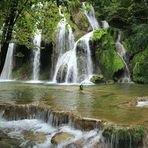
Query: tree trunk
(4, 49)
(7, 32)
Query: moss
(80, 24)
(106, 56)
(44, 74)
(109, 62)
(23, 73)
(97, 79)
(98, 34)
(124, 137)
(139, 67)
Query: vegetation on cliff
(20, 19)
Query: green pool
(115, 103)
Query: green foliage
(140, 67)
(138, 40)
(73, 6)
(29, 16)
(99, 33)
(109, 62)
(107, 58)
(50, 19)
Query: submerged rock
(61, 137)
(8, 142)
(37, 137)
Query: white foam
(34, 81)
(14, 129)
(142, 103)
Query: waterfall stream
(85, 69)
(91, 16)
(68, 69)
(63, 55)
(122, 53)
(7, 69)
(36, 53)
(105, 24)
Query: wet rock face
(124, 137)
(62, 74)
(61, 137)
(55, 118)
(87, 124)
(19, 112)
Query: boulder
(97, 79)
(61, 137)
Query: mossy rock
(80, 24)
(124, 137)
(81, 21)
(109, 63)
(106, 57)
(61, 137)
(23, 73)
(44, 74)
(140, 67)
(97, 79)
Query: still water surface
(115, 102)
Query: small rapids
(38, 134)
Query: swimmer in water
(81, 87)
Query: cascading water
(122, 53)
(62, 41)
(7, 69)
(36, 53)
(91, 16)
(66, 66)
(105, 24)
(87, 67)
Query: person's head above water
(81, 87)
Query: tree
(10, 14)
(20, 18)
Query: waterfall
(122, 53)
(64, 56)
(105, 24)
(7, 69)
(68, 68)
(91, 16)
(85, 68)
(36, 53)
